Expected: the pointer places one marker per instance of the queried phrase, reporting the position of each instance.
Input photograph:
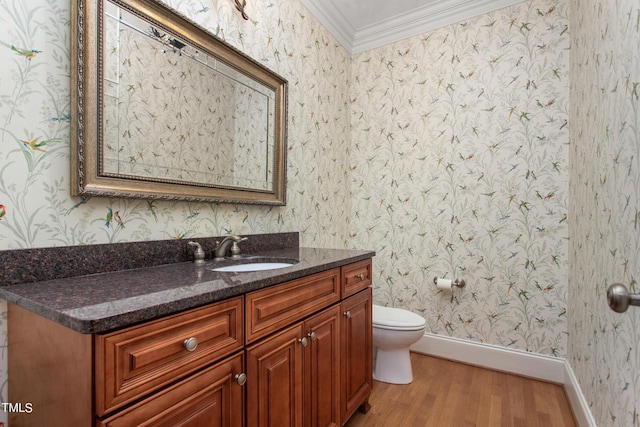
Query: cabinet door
(274, 380)
(211, 398)
(322, 369)
(356, 352)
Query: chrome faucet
(223, 247)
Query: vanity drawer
(210, 397)
(137, 360)
(356, 277)
(278, 306)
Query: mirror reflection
(174, 113)
(167, 110)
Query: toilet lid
(397, 318)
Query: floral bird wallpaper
(467, 152)
(459, 170)
(604, 347)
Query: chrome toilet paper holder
(457, 283)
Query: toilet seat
(397, 319)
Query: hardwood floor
(450, 394)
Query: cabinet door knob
(190, 344)
(303, 341)
(360, 276)
(347, 314)
(312, 336)
(241, 379)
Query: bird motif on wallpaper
(35, 145)
(203, 9)
(118, 219)
(109, 218)
(27, 53)
(151, 207)
(83, 200)
(3, 211)
(63, 118)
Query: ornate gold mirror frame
(96, 169)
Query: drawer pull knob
(303, 341)
(360, 276)
(347, 314)
(190, 344)
(241, 379)
(312, 336)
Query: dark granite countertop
(97, 303)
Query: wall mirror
(164, 109)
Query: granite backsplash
(40, 264)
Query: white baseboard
(578, 403)
(532, 365)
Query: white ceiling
(361, 25)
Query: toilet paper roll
(444, 284)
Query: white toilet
(394, 331)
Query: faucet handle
(198, 253)
(221, 248)
(235, 248)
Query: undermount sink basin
(256, 266)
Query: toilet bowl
(394, 331)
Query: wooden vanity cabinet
(148, 374)
(316, 372)
(276, 307)
(322, 369)
(51, 367)
(305, 346)
(294, 375)
(356, 361)
(274, 380)
(134, 361)
(356, 277)
(211, 397)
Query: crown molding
(333, 19)
(418, 21)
